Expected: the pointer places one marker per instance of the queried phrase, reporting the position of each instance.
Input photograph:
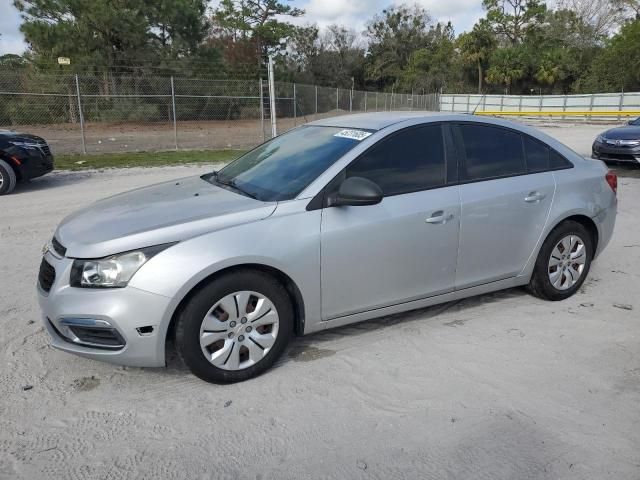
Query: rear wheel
(563, 262)
(8, 178)
(235, 327)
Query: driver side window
(408, 161)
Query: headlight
(599, 139)
(26, 145)
(112, 272)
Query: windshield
(635, 122)
(281, 168)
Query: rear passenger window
(541, 158)
(409, 161)
(537, 155)
(557, 161)
(490, 152)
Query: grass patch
(143, 159)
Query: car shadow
(51, 181)
(321, 344)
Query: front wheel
(563, 262)
(235, 327)
(8, 178)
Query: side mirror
(356, 191)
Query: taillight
(612, 180)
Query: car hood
(628, 132)
(162, 213)
(20, 137)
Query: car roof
(381, 120)
(374, 120)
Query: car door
(504, 205)
(403, 248)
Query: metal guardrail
(614, 113)
(604, 105)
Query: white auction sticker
(358, 135)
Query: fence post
(350, 100)
(295, 113)
(564, 106)
(590, 107)
(175, 120)
(365, 101)
(520, 104)
(264, 136)
(621, 104)
(453, 102)
(316, 100)
(272, 99)
(501, 102)
(81, 116)
(468, 102)
(376, 101)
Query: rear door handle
(534, 197)
(439, 217)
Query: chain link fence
(106, 114)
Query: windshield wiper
(232, 183)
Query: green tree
(394, 35)
(476, 46)
(108, 34)
(513, 20)
(617, 66)
(254, 25)
(332, 58)
(431, 68)
(508, 65)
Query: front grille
(46, 276)
(623, 157)
(58, 247)
(45, 149)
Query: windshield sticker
(358, 135)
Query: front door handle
(534, 197)
(439, 217)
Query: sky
(351, 13)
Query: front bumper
(612, 153)
(140, 319)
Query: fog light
(90, 332)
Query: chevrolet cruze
(335, 222)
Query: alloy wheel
(239, 330)
(567, 262)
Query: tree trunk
(479, 77)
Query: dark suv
(22, 157)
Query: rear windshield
(284, 166)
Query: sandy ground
(502, 386)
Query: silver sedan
(335, 222)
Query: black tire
(8, 177)
(189, 321)
(540, 284)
